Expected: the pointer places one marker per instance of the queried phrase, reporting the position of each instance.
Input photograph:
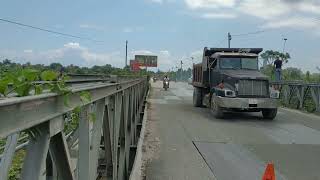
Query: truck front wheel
(269, 114)
(197, 97)
(216, 109)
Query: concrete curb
(136, 173)
(312, 115)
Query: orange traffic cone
(269, 174)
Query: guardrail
(301, 92)
(104, 146)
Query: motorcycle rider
(166, 78)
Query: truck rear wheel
(269, 114)
(197, 97)
(215, 109)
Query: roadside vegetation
(290, 74)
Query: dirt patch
(151, 145)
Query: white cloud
(84, 26)
(273, 8)
(165, 53)
(93, 27)
(310, 66)
(73, 45)
(127, 30)
(274, 13)
(266, 9)
(161, 1)
(197, 4)
(76, 54)
(306, 6)
(27, 51)
(310, 7)
(197, 55)
(70, 53)
(58, 26)
(141, 52)
(165, 60)
(157, 1)
(294, 22)
(132, 29)
(219, 16)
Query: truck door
(214, 75)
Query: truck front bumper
(246, 103)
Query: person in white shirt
(166, 78)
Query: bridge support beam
(96, 138)
(37, 150)
(315, 93)
(60, 156)
(107, 132)
(8, 154)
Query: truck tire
(269, 114)
(216, 110)
(197, 97)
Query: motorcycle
(154, 79)
(165, 85)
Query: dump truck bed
(197, 73)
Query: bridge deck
(184, 142)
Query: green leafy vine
(22, 82)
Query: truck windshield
(239, 63)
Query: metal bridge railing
(301, 92)
(104, 146)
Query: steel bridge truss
(300, 91)
(101, 147)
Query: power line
(48, 30)
(298, 18)
(251, 33)
(220, 42)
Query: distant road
(189, 143)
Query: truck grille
(251, 87)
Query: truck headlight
(274, 93)
(229, 93)
(224, 92)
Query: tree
(292, 74)
(270, 56)
(6, 62)
(308, 77)
(55, 66)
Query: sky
(174, 30)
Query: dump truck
(228, 79)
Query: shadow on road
(237, 117)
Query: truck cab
(228, 79)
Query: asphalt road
(185, 142)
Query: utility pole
(284, 44)
(229, 39)
(126, 54)
(176, 73)
(192, 66)
(181, 70)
